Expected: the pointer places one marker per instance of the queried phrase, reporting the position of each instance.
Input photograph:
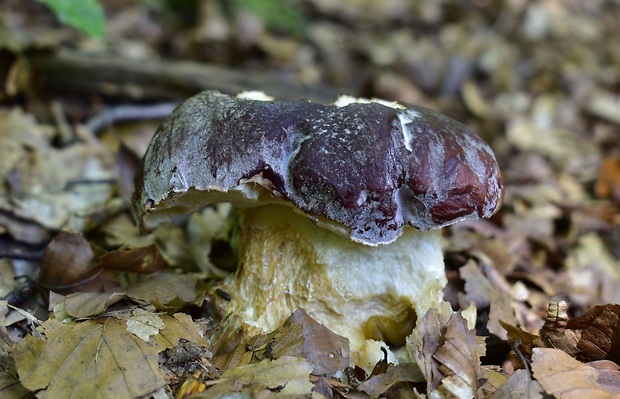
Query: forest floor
(94, 309)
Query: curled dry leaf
(448, 354)
(66, 265)
(600, 333)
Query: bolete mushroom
(328, 194)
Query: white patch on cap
(405, 117)
(254, 95)
(343, 100)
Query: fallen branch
(120, 78)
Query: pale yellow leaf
(144, 324)
(179, 326)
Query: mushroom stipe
(327, 194)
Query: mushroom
(327, 195)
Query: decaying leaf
(487, 293)
(600, 333)
(10, 385)
(447, 352)
(403, 372)
(66, 260)
(286, 376)
(54, 187)
(159, 289)
(594, 271)
(519, 385)
(299, 336)
(565, 378)
(132, 259)
(593, 336)
(608, 182)
(112, 357)
(95, 358)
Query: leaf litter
(530, 77)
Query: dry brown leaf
(94, 359)
(326, 350)
(159, 288)
(459, 360)
(484, 292)
(299, 336)
(427, 337)
(177, 327)
(403, 372)
(132, 259)
(66, 260)
(55, 187)
(10, 385)
(594, 271)
(447, 352)
(519, 385)
(286, 376)
(600, 333)
(608, 181)
(566, 378)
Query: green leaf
(84, 15)
(276, 14)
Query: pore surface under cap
(367, 166)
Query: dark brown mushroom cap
(367, 166)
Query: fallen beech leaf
(299, 336)
(286, 376)
(10, 386)
(58, 188)
(600, 333)
(565, 378)
(447, 352)
(484, 292)
(609, 374)
(519, 385)
(326, 350)
(132, 259)
(427, 337)
(403, 372)
(95, 358)
(594, 271)
(608, 181)
(88, 304)
(144, 324)
(158, 288)
(459, 360)
(66, 260)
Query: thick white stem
(288, 262)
